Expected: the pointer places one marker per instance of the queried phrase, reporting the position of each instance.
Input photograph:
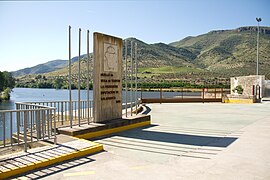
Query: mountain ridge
(225, 52)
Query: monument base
(94, 130)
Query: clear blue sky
(36, 32)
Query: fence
(181, 95)
(28, 123)
(81, 112)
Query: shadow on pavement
(167, 137)
(56, 168)
(186, 139)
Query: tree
(58, 83)
(7, 82)
(2, 81)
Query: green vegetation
(168, 69)
(42, 81)
(7, 82)
(206, 60)
(238, 89)
(176, 84)
(231, 52)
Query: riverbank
(5, 95)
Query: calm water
(34, 94)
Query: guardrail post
(38, 124)
(160, 95)
(25, 131)
(30, 119)
(54, 124)
(62, 113)
(48, 123)
(221, 93)
(11, 129)
(43, 124)
(18, 125)
(182, 93)
(4, 129)
(203, 95)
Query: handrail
(81, 111)
(27, 124)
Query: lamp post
(258, 20)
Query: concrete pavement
(185, 141)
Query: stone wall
(247, 83)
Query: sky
(35, 32)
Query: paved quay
(185, 141)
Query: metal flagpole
(79, 80)
(88, 59)
(136, 79)
(131, 81)
(69, 77)
(126, 71)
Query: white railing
(82, 112)
(27, 124)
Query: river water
(34, 94)
(39, 95)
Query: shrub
(238, 89)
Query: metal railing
(178, 95)
(81, 112)
(27, 124)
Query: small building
(252, 85)
(246, 89)
(267, 88)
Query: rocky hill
(230, 52)
(49, 66)
(219, 54)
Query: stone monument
(107, 77)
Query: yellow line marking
(239, 101)
(52, 160)
(79, 173)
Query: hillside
(41, 68)
(49, 66)
(230, 51)
(207, 57)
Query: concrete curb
(112, 130)
(239, 101)
(52, 160)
